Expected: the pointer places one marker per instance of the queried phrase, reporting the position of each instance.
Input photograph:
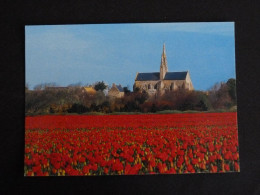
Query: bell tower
(163, 67)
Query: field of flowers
(131, 144)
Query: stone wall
(145, 85)
(153, 86)
(174, 85)
(114, 92)
(188, 80)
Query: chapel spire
(164, 53)
(163, 67)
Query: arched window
(149, 86)
(155, 86)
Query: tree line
(46, 99)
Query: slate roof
(175, 75)
(154, 76)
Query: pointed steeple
(164, 52)
(163, 67)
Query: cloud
(220, 28)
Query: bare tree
(219, 96)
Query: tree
(137, 89)
(202, 106)
(219, 96)
(231, 84)
(52, 100)
(44, 86)
(78, 108)
(126, 90)
(100, 86)
(153, 109)
(38, 87)
(141, 97)
(100, 98)
(203, 101)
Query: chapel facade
(160, 82)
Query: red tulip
(194, 161)
(30, 173)
(171, 171)
(130, 144)
(226, 166)
(82, 159)
(162, 167)
(190, 168)
(85, 169)
(106, 170)
(214, 169)
(236, 166)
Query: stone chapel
(160, 82)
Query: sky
(114, 53)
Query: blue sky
(114, 53)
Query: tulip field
(79, 145)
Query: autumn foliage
(131, 144)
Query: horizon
(114, 53)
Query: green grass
(233, 109)
(124, 113)
(168, 112)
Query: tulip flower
(130, 144)
(226, 166)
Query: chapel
(160, 82)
